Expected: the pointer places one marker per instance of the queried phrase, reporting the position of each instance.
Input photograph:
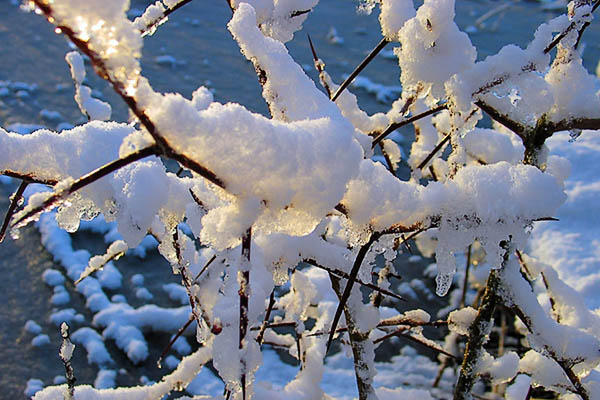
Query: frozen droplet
(443, 282)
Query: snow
(519, 389)
(460, 320)
(40, 340)
(105, 379)
(93, 344)
(571, 248)
(60, 296)
(53, 277)
(32, 327)
(33, 386)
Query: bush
(284, 229)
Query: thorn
(360, 67)
(312, 48)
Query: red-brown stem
(244, 292)
(12, 207)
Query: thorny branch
(163, 146)
(362, 252)
(84, 181)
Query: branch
(358, 340)
(435, 150)
(265, 324)
(104, 72)
(362, 252)
(478, 332)
(244, 293)
(392, 127)
(151, 27)
(503, 119)
(174, 339)
(82, 182)
(342, 274)
(564, 33)
(359, 68)
(592, 124)
(14, 202)
(29, 177)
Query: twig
(298, 13)
(344, 275)
(437, 148)
(392, 127)
(387, 158)
(466, 280)
(319, 66)
(177, 335)
(493, 12)
(150, 27)
(14, 202)
(360, 67)
(197, 200)
(265, 323)
(29, 177)
(213, 258)
(362, 252)
(87, 272)
(564, 33)
(402, 332)
(187, 284)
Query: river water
(201, 53)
